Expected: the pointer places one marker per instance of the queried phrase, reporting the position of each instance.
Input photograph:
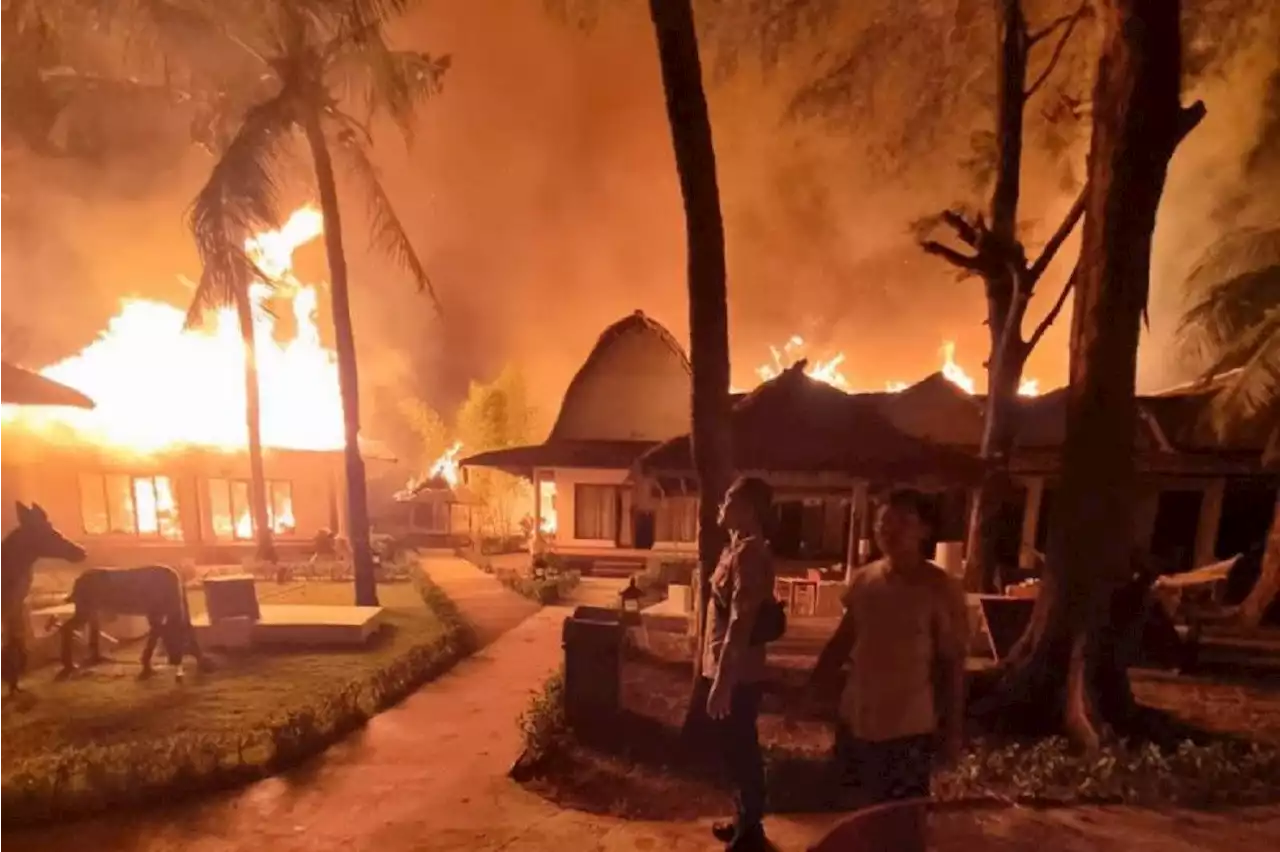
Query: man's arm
(751, 588)
(834, 653)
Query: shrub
(543, 727)
(548, 591)
(75, 782)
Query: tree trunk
(1005, 305)
(348, 379)
(263, 534)
(1065, 671)
(708, 308)
(1264, 591)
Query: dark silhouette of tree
(1066, 672)
(682, 86)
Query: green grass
(107, 704)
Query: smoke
(541, 192)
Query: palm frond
(1252, 387)
(380, 79)
(239, 198)
(386, 231)
(1227, 310)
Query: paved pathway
(430, 774)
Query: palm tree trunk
(253, 416)
(1065, 671)
(1266, 588)
(348, 379)
(708, 302)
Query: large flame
(446, 467)
(547, 498)
(158, 386)
(829, 370)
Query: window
(595, 512)
(230, 513)
(677, 519)
(119, 504)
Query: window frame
(99, 479)
(229, 482)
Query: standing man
(905, 635)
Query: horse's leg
(154, 625)
(94, 630)
(68, 631)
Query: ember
(158, 386)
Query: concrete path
(430, 774)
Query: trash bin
(593, 638)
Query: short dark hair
(759, 494)
(910, 500)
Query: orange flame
(829, 370)
(446, 467)
(158, 386)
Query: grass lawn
(108, 706)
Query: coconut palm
(328, 70)
(207, 295)
(1234, 328)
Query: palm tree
(312, 52)
(208, 295)
(708, 303)
(1234, 328)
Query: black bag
(771, 622)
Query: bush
(75, 782)
(543, 727)
(549, 591)
(1050, 771)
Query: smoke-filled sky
(541, 193)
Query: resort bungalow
(616, 478)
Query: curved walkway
(430, 774)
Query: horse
(153, 591)
(33, 539)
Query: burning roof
(23, 387)
(795, 423)
(160, 386)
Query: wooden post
(537, 507)
(851, 546)
(1207, 525)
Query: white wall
(565, 480)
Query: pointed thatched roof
(23, 387)
(795, 424)
(634, 386)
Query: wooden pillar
(858, 524)
(851, 546)
(1144, 519)
(1031, 522)
(1207, 526)
(537, 505)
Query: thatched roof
(795, 424)
(23, 387)
(634, 386)
(602, 455)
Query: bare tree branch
(1050, 317)
(967, 232)
(1059, 237)
(1052, 26)
(952, 256)
(1069, 24)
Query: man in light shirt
(904, 634)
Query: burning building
(616, 473)
(158, 470)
